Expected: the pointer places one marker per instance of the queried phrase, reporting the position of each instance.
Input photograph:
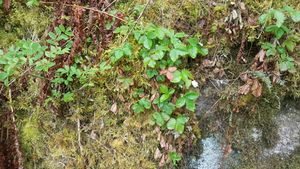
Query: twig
(87, 8)
(141, 14)
(79, 136)
(27, 70)
(109, 5)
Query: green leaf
(190, 105)
(146, 103)
(203, 51)
(152, 63)
(271, 28)
(62, 28)
(44, 65)
(192, 95)
(180, 35)
(147, 43)
(180, 102)
(185, 74)
(159, 119)
(182, 119)
(167, 108)
(160, 78)
(171, 124)
(104, 66)
(165, 116)
(3, 76)
(151, 73)
(176, 77)
(263, 18)
(164, 97)
(174, 157)
(31, 3)
(278, 33)
(163, 89)
(68, 97)
(52, 35)
(179, 128)
(174, 55)
(192, 50)
(296, 16)
(119, 53)
(289, 44)
(127, 49)
(160, 34)
(271, 52)
(279, 17)
(137, 108)
(283, 66)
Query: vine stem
(16, 132)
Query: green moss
(22, 22)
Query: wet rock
(211, 156)
(288, 122)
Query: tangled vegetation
(115, 84)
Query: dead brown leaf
(227, 150)
(157, 154)
(261, 55)
(162, 161)
(208, 63)
(114, 108)
(256, 88)
(245, 89)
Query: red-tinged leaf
(172, 69)
(170, 76)
(162, 72)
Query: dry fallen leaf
(162, 161)
(256, 88)
(261, 55)
(244, 77)
(157, 154)
(244, 89)
(114, 108)
(208, 63)
(162, 142)
(227, 150)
